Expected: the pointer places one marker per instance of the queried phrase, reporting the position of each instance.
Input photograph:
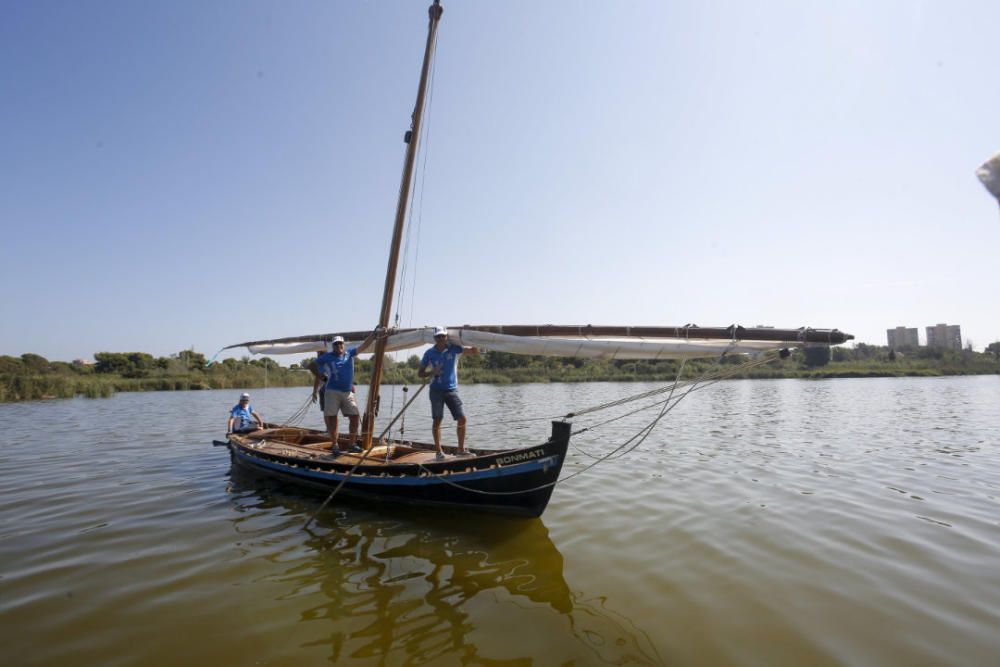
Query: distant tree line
(31, 376)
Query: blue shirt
(339, 370)
(243, 418)
(447, 361)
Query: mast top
(413, 137)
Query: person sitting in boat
(338, 368)
(242, 418)
(441, 364)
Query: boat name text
(520, 456)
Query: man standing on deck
(338, 367)
(242, 418)
(441, 363)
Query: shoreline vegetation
(32, 377)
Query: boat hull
(517, 482)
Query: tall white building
(948, 336)
(902, 337)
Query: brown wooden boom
(732, 332)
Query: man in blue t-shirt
(338, 396)
(441, 364)
(242, 418)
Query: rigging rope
(420, 184)
(363, 457)
(708, 378)
(705, 380)
(296, 418)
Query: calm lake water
(839, 522)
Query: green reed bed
(40, 387)
(32, 377)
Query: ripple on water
(785, 522)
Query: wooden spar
(803, 335)
(734, 332)
(413, 136)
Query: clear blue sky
(202, 173)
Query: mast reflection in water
(444, 585)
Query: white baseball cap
(440, 331)
(338, 339)
(244, 395)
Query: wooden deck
(320, 451)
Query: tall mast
(412, 138)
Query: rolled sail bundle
(608, 347)
(583, 341)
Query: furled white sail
(584, 347)
(610, 348)
(399, 341)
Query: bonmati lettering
(520, 456)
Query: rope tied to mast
(362, 458)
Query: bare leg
(436, 430)
(353, 425)
(461, 434)
(333, 426)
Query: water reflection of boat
(436, 589)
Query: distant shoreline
(39, 388)
(32, 377)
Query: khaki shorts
(339, 401)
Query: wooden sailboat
(516, 480)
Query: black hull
(516, 482)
